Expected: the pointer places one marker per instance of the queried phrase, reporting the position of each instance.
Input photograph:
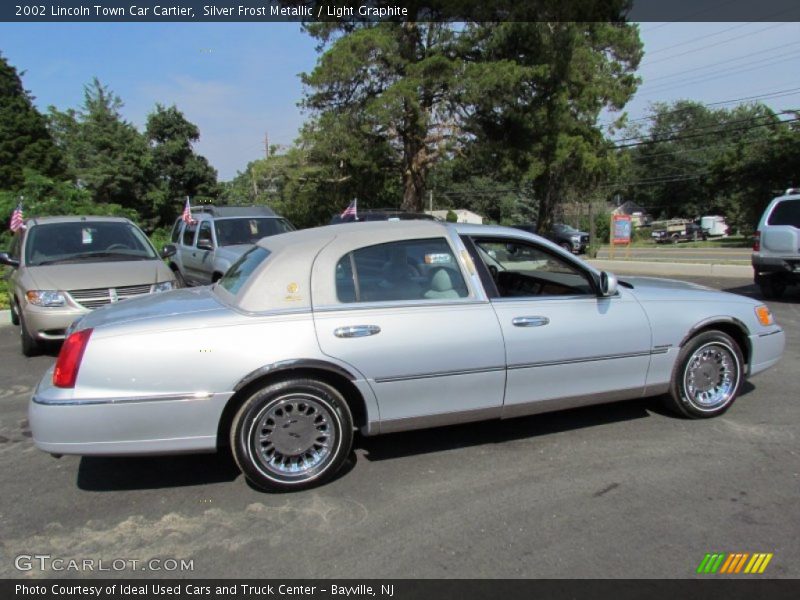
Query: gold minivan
(65, 267)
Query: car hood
(82, 276)
(655, 288)
(177, 306)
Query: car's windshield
(248, 230)
(85, 241)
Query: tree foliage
(177, 170)
(105, 154)
(25, 142)
(532, 96)
(687, 160)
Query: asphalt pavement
(622, 490)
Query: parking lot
(624, 490)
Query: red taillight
(69, 359)
(756, 241)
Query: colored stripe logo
(734, 563)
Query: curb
(631, 267)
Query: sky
(240, 81)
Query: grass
(739, 241)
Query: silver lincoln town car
(386, 327)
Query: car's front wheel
(292, 434)
(707, 375)
(30, 345)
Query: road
(679, 253)
(624, 490)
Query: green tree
(687, 160)
(105, 154)
(532, 94)
(390, 84)
(177, 170)
(25, 142)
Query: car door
(418, 327)
(197, 258)
(565, 345)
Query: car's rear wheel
(707, 376)
(30, 345)
(292, 434)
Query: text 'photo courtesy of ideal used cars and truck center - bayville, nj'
(399, 299)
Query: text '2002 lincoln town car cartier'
(386, 327)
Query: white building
(464, 216)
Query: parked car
(569, 238)
(382, 214)
(219, 235)
(678, 230)
(776, 248)
(386, 327)
(65, 267)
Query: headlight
(46, 298)
(164, 286)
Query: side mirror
(204, 245)
(608, 284)
(5, 259)
(168, 250)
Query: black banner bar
(396, 10)
(402, 589)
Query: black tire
(292, 435)
(566, 246)
(771, 287)
(30, 345)
(707, 376)
(14, 312)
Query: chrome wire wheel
(294, 436)
(711, 376)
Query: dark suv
(569, 238)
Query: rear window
(786, 212)
(241, 270)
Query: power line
(661, 87)
(695, 135)
(775, 94)
(713, 126)
(714, 45)
(729, 60)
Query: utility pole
(430, 200)
(266, 144)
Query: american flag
(351, 210)
(17, 220)
(187, 213)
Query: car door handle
(529, 321)
(354, 331)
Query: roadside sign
(621, 233)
